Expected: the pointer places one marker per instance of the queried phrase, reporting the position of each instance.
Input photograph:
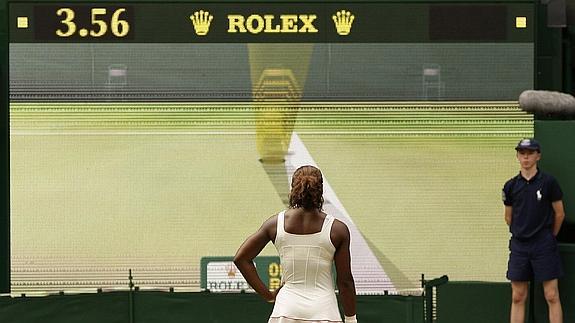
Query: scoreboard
(303, 22)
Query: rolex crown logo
(201, 21)
(231, 270)
(343, 20)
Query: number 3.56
(118, 27)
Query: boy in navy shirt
(534, 213)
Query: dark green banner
(182, 307)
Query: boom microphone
(547, 103)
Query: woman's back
(307, 260)
(309, 243)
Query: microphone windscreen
(547, 103)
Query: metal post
(131, 296)
(424, 298)
(428, 301)
(429, 304)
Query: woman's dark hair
(306, 188)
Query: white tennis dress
(308, 294)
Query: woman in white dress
(308, 242)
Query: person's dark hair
(306, 188)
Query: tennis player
(308, 242)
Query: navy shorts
(536, 258)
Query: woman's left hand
(274, 294)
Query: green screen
(152, 155)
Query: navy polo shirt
(531, 203)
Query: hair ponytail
(306, 188)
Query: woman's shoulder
(271, 221)
(339, 232)
(270, 226)
(340, 227)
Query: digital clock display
(83, 22)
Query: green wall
(481, 302)
(183, 307)
(558, 157)
(549, 71)
(473, 302)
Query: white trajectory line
(369, 275)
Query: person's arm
(508, 214)
(341, 238)
(559, 216)
(249, 250)
(508, 200)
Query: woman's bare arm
(341, 239)
(249, 250)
